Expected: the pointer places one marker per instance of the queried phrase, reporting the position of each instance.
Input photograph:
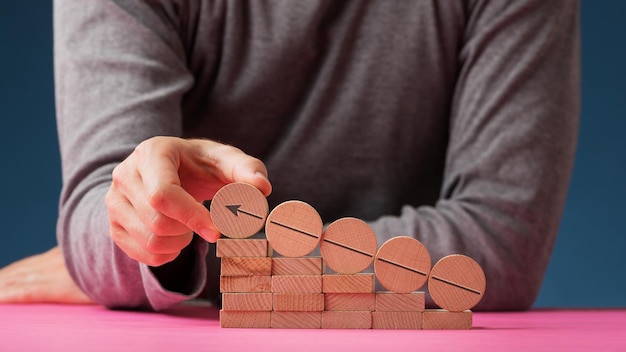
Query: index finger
(165, 194)
(174, 202)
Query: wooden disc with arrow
(239, 210)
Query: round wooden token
(294, 228)
(456, 283)
(348, 246)
(402, 264)
(238, 210)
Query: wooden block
(239, 210)
(347, 320)
(297, 266)
(245, 284)
(349, 301)
(227, 247)
(402, 264)
(243, 319)
(400, 302)
(440, 319)
(247, 301)
(357, 283)
(246, 266)
(348, 245)
(397, 320)
(297, 283)
(298, 302)
(294, 228)
(296, 320)
(456, 283)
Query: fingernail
(265, 189)
(260, 174)
(210, 235)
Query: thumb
(233, 165)
(250, 173)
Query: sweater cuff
(161, 297)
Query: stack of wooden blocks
(260, 290)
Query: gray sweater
(453, 122)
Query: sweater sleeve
(119, 79)
(512, 138)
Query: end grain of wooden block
(247, 301)
(349, 301)
(246, 266)
(243, 319)
(229, 247)
(356, 283)
(297, 283)
(297, 266)
(441, 319)
(397, 320)
(400, 302)
(346, 320)
(296, 320)
(245, 284)
(298, 302)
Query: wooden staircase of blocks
(260, 290)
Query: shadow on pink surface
(193, 310)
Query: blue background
(587, 268)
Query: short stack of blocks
(245, 283)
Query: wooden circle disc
(456, 283)
(348, 245)
(294, 228)
(402, 264)
(238, 210)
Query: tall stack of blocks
(260, 290)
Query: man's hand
(42, 278)
(155, 199)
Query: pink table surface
(196, 328)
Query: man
(452, 124)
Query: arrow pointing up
(235, 210)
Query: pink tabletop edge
(94, 328)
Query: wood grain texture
(245, 266)
(440, 319)
(346, 320)
(245, 284)
(239, 210)
(456, 283)
(294, 228)
(348, 245)
(297, 283)
(297, 266)
(243, 319)
(296, 320)
(227, 247)
(298, 302)
(356, 283)
(349, 301)
(247, 301)
(402, 264)
(397, 320)
(400, 302)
